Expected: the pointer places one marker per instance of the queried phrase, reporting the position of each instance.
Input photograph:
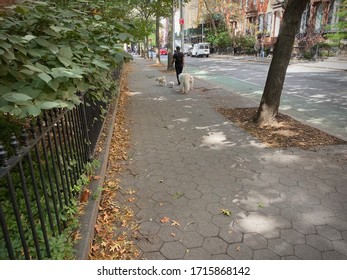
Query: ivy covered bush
(49, 52)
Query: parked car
(201, 49)
(163, 51)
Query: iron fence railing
(37, 183)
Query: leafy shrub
(49, 53)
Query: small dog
(162, 81)
(171, 84)
(187, 81)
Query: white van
(201, 49)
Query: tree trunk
(157, 38)
(270, 101)
(170, 43)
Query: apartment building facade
(262, 18)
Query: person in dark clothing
(178, 59)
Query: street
(315, 95)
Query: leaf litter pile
(116, 228)
(285, 133)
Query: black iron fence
(38, 182)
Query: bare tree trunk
(270, 101)
(170, 42)
(157, 38)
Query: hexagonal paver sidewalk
(205, 189)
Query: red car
(163, 51)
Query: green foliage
(49, 53)
(339, 30)
(61, 245)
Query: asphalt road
(317, 96)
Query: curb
(88, 219)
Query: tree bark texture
(270, 101)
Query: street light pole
(182, 25)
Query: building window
(268, 23)
(261, 23)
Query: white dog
(171, 84)
(187, 81)
(162, 81)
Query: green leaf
(64, 72)
(42, 67)
(36, 52)
(16, 96)
(29, 37)
(33, 110)
(65, 61)
(6, 108)
(66, 52)
(46, 105)
(45, 77)
(27, 72)
(42, 42)
(100, 64)
(53, 48)
(5, 45)
(33, 68)
(9, 55)
(98, 17)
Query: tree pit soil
(285, 132)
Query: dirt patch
(288, 132)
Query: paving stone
(191, 239)
(150, 243)
(221, 257)
(173, 250)
(153, 256)
(306, 252)
(319, 242)
(211, 197)
(333, 255)
(291, 214)
(337, 223)
(197, 254)
(292, 236)
(231, 235)
(170, 233)
(215, 208)
(293, 258)
(265, 254)
(329, 232)
(240, 251)
(340, 246)
(207, 229)
(146, 214)
(215, 245)
(255, 241)
(304, 227)
(149, 228)
(145, 203)
(280, 247)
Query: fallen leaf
(226, 212)
(175, 223)
(238, 248)
(165, 220)
(173, 234)
(131, 199)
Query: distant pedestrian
(178, 59)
